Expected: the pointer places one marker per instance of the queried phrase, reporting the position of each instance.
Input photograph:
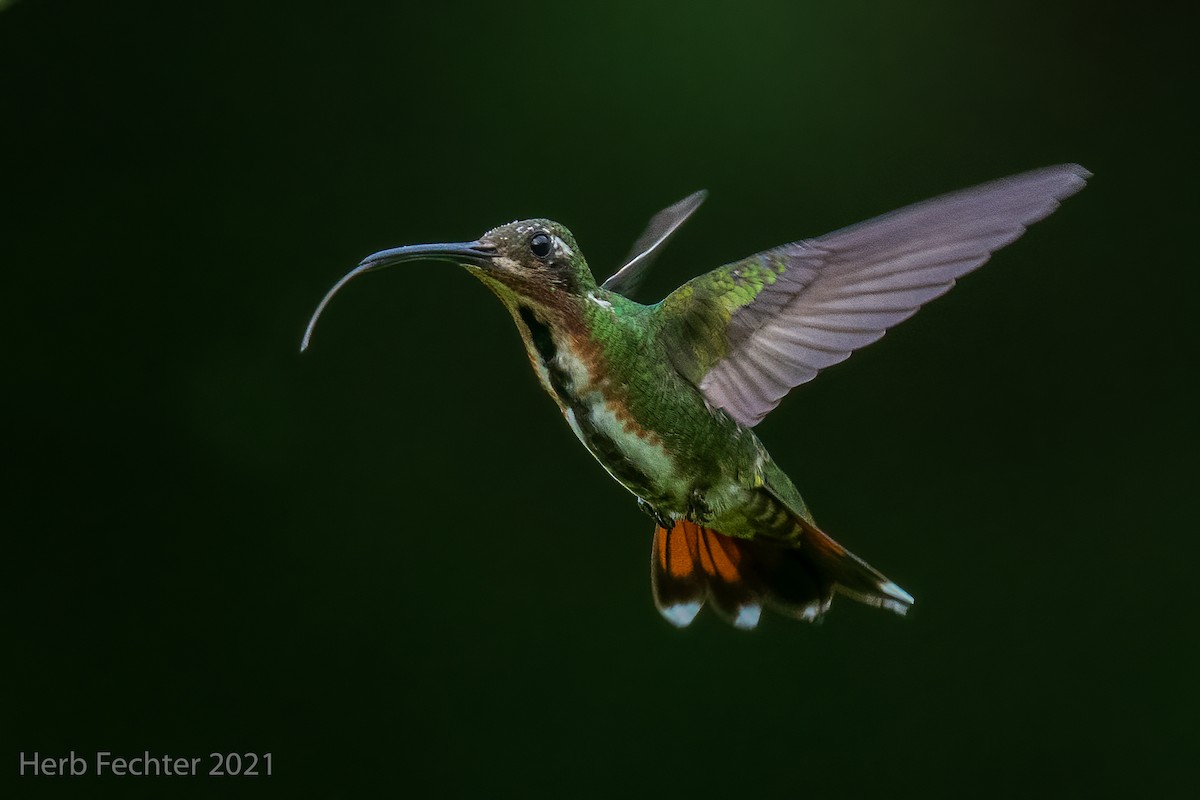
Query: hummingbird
(666, 396)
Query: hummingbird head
(533, 260)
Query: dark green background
(390, 564)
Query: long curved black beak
(478, 253)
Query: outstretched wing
(660, 228)
(748, 332)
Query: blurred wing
(748, 332)
(661, 227)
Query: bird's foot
(664, 521)
(698, 508)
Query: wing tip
(1076, 176)
(1080, 171)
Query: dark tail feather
(691, 565)
(852, 576)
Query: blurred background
(390, 564)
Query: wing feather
(797, 309)
(662, 227)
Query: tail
(691, 564)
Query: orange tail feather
(692, 565)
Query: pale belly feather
(637, 461)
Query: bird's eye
(540, 245)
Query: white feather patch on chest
(650, 459)
(648, 456)
(575, 369)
